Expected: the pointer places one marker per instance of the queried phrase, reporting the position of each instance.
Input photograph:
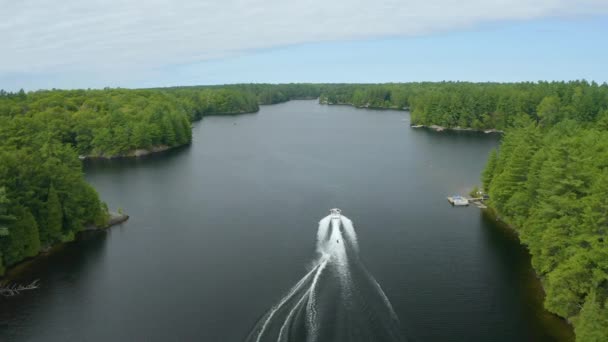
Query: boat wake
(337, 300)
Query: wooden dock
(480, 205)
(457, 201)
(477, 201)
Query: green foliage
(115, 122)
(474, 192)
(23, 242)
(49, 198)
(592, 323)
(43, 196)
(52, 229)
(488, 171)
(551, 182)
(548, 111)
(5, 217)
(478, 105)
(276, 93)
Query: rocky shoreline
(12, 272)
(438, 128)
(114, 219)
(365, 106)
(131, 154)
(494, 215)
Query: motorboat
(335, 213)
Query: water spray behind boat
(337, 300)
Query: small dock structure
(461, 201)
(458, 201)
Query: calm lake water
(221, 230)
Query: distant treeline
(477, 105)
(265, 93)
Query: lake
(221, 230)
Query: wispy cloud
(51, 36)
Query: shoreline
(114, 219)
(141, 152)
(367, 106)
(495, 216)
(438, 128)
(13, 271)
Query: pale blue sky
(505, 52)
(87, 46)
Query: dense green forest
(267, 94)
(477, 105)
(44, 198)
(113, 122)
(550, 182)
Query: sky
(154, 43)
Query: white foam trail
(283, 301)
(311, 307)
(337, 272)
(385, 299)
(349, 230)
(289, 318)
(337, 247)
(322, 234)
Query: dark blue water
(220, 231)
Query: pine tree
(180, 131)
(169, 137)
(5, 217)
(31, 241)
(548, 111)
(54, 219)
(2, 268)
(592, 323)
(141, 137)
(12, 245)
(488, 171)
(23, 240)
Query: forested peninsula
(478, 106)
(549, 179)
(44, 199)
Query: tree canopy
(477, 105)
(44, 198)
(551, 184)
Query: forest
(266, 93)
(477, 105)
(44, 198)
(549, 181)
